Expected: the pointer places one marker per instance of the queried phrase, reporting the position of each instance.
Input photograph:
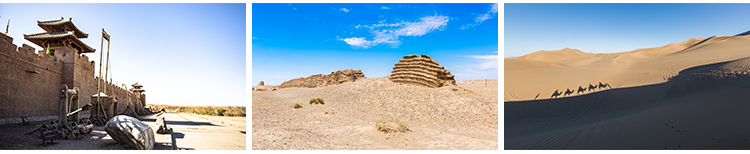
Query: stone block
(130, 131)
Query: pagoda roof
(39, 37)
(61, 25)
(137, 85)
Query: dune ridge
(686, 95)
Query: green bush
(297, 106)
(316, 101)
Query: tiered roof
(60, 30)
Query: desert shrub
(274, 89)
(221, 112)
(297, 106)
(391, 125)
(204, 110)
(316, 101)
(261, 89)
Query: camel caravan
(580, 90)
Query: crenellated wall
(30, 81)
(24, 93)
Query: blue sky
(298, 40)
(182, 54)
(609, 28)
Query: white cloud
(390, 36)
(486, 61)
(255, 38)
(494, 52)
(290, 5)
(344, 9)
(384, 8)
(494, 8)
(358, 42)
(481, 18)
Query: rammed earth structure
(421, 71)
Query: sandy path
(194, 132)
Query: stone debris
(161, 126)
(320, 80)
(261, 83)
(130, 131)
(422, 71)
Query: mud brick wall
(24, 94)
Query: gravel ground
(453, 117)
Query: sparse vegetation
(260, 89)
(297, 106)
(391, 125)
(316, 101)
(234, 111)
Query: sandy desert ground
(452, 117)
(686, 95)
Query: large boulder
(320, 80)
(130, 131)
(161, 126)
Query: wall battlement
(26, 54)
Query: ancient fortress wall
(24, 94)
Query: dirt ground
(13, 137)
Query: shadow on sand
(548, 124)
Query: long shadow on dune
(525, 118)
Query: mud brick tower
(62, 38)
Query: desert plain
(686, 95)
(462, 116)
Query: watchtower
(62, 42)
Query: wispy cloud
(344, 9)
(389, 33)
(385, 8)
(255, 38)
(481, 18)
(485, 61)
(290, 5)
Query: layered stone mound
(320, 80)
(422, 71)
(130, 131)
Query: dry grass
(391, 125)
(235, 111)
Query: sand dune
(686, 95)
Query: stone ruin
(422, 71)
(320, 80)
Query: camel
(568, 92)
(581, 89)
(592, 87)
(603, 86)
(555, 94)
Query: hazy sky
(609, 28)
(298, 40)
(182, 54)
